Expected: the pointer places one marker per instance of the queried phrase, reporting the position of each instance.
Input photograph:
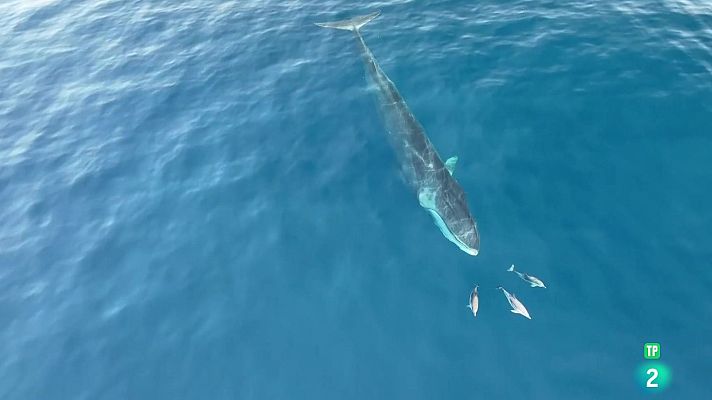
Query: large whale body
(438, 191)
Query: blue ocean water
(197, 200)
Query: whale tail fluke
(511, 269)
(352, 24)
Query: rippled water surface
(198, 200)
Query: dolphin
(532, 280)
(474, 302)
(517, 306)
(431, 178)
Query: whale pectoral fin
(450, 164)
(426, 198)
(422, 198)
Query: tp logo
(655, 375)
(651, 351)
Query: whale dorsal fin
(450, 164)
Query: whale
(432, 179)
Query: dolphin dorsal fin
(450, 164)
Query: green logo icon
(653, 374)
(651, 351)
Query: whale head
(448, 207)
(461, 231)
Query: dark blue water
(198, 200)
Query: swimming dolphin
(517, 306)
(532, 280)
(474, 302)
(438, 191)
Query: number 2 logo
(653, 376)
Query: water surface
(197, 200)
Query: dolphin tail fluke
(511, 269)
(352, 24)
